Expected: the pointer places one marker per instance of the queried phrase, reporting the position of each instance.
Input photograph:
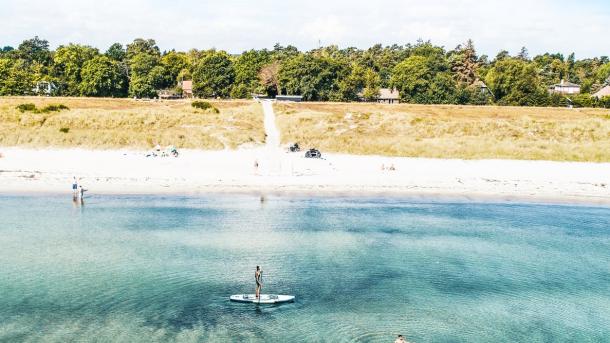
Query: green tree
(116, 52)
(570, 63)
(315, 78)
(213, 75)
(442, 90)
(425, 78)
(523, 54)
(247, 68)
(103, 77)
(514, 81)
(411, 78)
(604, 102)
(158, 77)
(283, 53)
(552, 68)
(142, 46)
(372, 85)
(6, 50)
(145, 78)
(603, 73)
(502, 55)
(35, 50)
(68, 62)
(353, 84)
(16, 77)
(381, 59)
(173, 64)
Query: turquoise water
(152, 268)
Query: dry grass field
(112, 123)
(449, 131)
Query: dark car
(313, 153)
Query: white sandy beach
(197, 172)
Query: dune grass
(468, 132)
(127, 123)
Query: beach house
(386, 96)
(565, 87)
(482, 87)
(604, 92)
(187, 88)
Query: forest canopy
(423, 73)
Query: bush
(53, 108)
(26, 107)
(204, 105)
(46, 109)
(583, 100)
(605, 102)
(64, 129)
(558, 100)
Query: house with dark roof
(565, 87)
(482, 87)
(386, 96)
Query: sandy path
(271, 130)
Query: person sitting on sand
(258, 277)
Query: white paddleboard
(264, 298)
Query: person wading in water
(258, 277)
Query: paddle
(260, 281)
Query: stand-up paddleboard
(264, 298)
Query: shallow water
(152, 268)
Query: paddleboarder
(259, 298)
(258, 277)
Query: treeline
(422, 73)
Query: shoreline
(414, 196)
(197, 172)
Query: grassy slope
(449, 131)
(110, 123)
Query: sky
(580, 26)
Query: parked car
(313, 153)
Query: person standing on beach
(74, 187)
(258, 277)
(82, 194)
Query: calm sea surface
(153, 268)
